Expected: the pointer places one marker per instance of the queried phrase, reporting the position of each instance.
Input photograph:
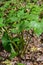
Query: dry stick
(11, 39)
(25, 47)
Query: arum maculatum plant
(14, 19)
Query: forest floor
(33, 54)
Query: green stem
(11, 39)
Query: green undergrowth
(15, 17)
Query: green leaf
(13, 53)
(20, 13)
(20, 64)
(16, 29)
(13, 19)
(1, 22)
(22, 27)
(16, 39)
(26, 25)
(38, 29)
(6, 42)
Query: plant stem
(11, 39)
(25, 47)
